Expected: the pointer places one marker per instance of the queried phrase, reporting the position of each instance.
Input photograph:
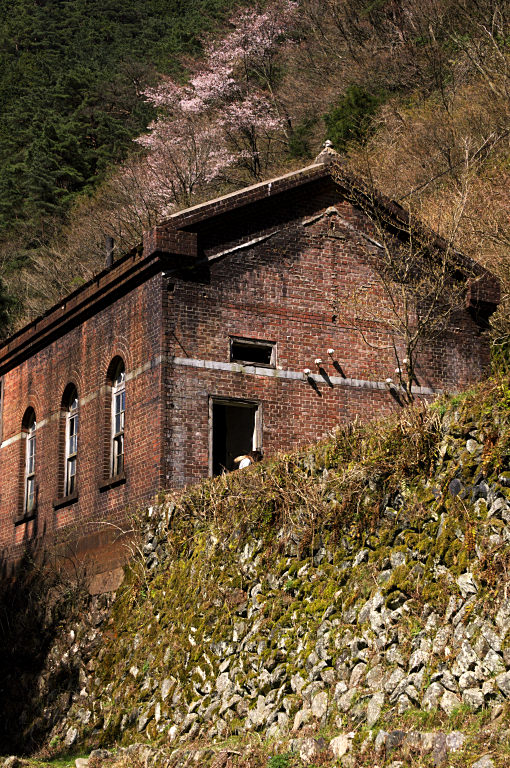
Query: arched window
(29, 488)
(118, 410)
(71, 440)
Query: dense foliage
(71, 76)
(416, 96)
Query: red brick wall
(292, 288)
(130, 328)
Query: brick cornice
(103, 289)
(171, 245)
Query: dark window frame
(255, 344)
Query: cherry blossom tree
(225, 123)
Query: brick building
(194, 348)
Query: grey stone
(224, 685)
(393, 680)
(488, 688)
(394, 739)
(503, 617)
(432, 696)
(427, 742)
(465, 661)
(374, 708)
(328, 675)
(455, 741)
(474, 698)
(308, 751)
(71, 737)
(441, 640)
(340, 689)
(455, 487)
(481, 646)
(166, 687)
(393, 656)
(365, 611)
(228, 703)
(345, 701)
(377, 624)
(340, 745)
(81, 762)
(467, 585)
(493, 662)
(484, 762)
(361, 557)
(320, 705)
(412, 694)
(473, 447)
(302, 717)
(467, 680)
(380, 741)
(397, 558)
(413, 741)
(449, 702)
(453, 603)
(448, 681)
(403, 704)
(283, 722)
(497, 507)
(357, 674)
(439, 749)
(480, 491)
(297, 683)
(12, 762)
(374, 677)
(384, 577)
(309, 691)
(503, 683)
(144, 719)
(261, 714)
(417, 660)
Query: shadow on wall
(37, 597)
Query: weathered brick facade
(275, 263)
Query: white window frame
(71, 444)
(118, 421)
(236, 401)
(30, 454)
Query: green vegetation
(262, 573)
(71, 77)
(403, 96)
(351, 119)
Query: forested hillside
(71, 74)
(415, 95)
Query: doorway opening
(235, 430)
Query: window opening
(235, 431)
(71, 444)
(29, 502)
(118, 419)
(252, 352)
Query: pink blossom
(226, 115)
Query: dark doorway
(234, 432)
